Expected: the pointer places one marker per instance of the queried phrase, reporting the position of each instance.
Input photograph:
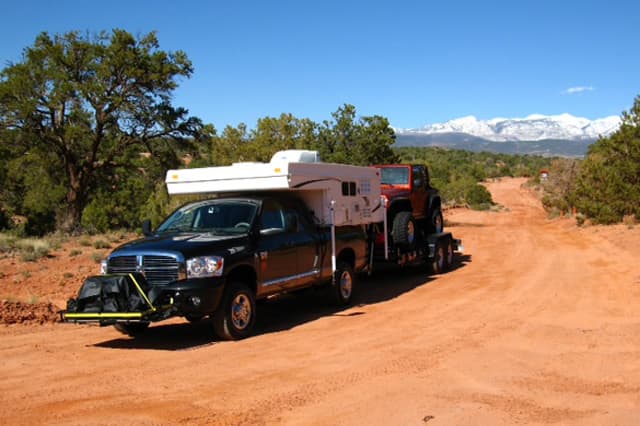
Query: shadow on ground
(289, 311)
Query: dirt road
(539, 323)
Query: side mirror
(146, 228)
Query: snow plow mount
(110, 299)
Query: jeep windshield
(394, 175)
(212, 216)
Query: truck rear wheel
(404, 229)
(343, 288)
(236, 314)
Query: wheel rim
(411, 232)
(450, 254)
(241, 311)
(346, 285)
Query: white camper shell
(337, 194)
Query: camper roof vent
(296, 156)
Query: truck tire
(132, 329)
(236, 314)
(439, 262)
(404, 229)
(437, 221)
(344, 284)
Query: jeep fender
(434, 202)
(400, 205)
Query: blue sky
(414, 62)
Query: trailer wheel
(236, 314)
(132, 329)
(450, 254)
(404, 229)
(437, 221)
(439, 262)
(345, 280)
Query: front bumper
(194, 297)
(198, 296)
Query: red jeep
(414, 206)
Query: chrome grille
(158, 270)
(122, 264)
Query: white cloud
(578, 89)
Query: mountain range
(562, 135)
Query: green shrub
(101, 244)
(608, 185)
(34, 255)
(31, 250)
(7, 243)
(478, 197)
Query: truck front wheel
(236, 314)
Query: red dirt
(539, 323)
(20, 312)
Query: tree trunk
(71, 215)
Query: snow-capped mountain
(532, 128)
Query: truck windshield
(394, 175)
(215, 216)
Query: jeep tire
(404, 229)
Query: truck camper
(262, 230)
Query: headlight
(103, 267)
(205, 266)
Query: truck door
(276, 254)
(306, 241)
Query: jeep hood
(395, 191)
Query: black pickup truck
(215, 258)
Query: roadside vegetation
(604, 187)
(458, 174)
(30, 249)
(88, 131)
